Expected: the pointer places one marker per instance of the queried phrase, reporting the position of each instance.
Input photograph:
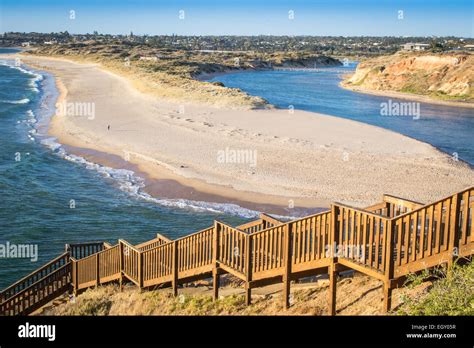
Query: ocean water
(450, 129)
(49, 198)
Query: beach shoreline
(313, 163)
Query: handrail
(434, 203)
(296, 220)
(376, 206)
(107, 245)
(402, 201)
(152, 243)
(85, 249)
(250, 224)
(5, 304)
(129, 245)
(360, 210)
(164, 238)
(270, 219)
(32, 274)
(193, 234)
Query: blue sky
(244, 17)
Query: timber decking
(387, 241)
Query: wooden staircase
(387, 241)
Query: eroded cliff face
(441, 76)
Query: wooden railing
(232, 245)
(34, 277)
(39, 293)
(434, 233)
(265, 221)
(267, 252)
(386, 241)
(81, 250)
(194, 251)
(360, 237)
(159, 240)
(392, 206)
(131, 262)
(310, 239)
(158, 265)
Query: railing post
(389, 266)
(121, 265)
(215, 258)
(287, 263)
(332, 269)
(453, 243)
(248, 269)
(140, 269)
(75, 277)
(97, 269)
(175, 268)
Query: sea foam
(127, 181)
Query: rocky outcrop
(440, 76)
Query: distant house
(469, 47)
(25, 44)
(49, 42)
(410, 46)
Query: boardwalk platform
(386, 241)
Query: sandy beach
(259, 157)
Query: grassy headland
(174, 74)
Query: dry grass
(356, 295)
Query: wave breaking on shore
(126, 180)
